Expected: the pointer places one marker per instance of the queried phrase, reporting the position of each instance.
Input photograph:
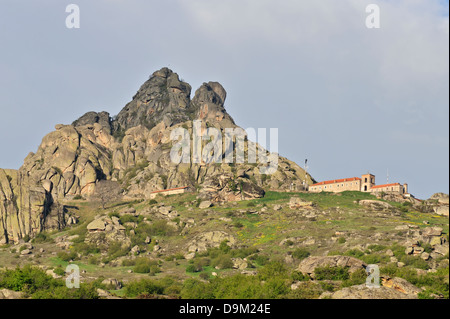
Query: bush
(356, 278)
(93, 260)
(299, 276)
(376, 248)
(161, 228)
(42, 238)
(289, 243)
(238, 224)
(341, 240)
(152, 202)
(116, 250)
(85, 249)
(36, 283)
(331, 273)
(273, 269)
(414, 261)
(59, 271)
(261, 260)
(375, 258)
(146, 266)
(223, 262)
(301, 253)
(204, 276)
(354, 253)
(143, 287)
(64, 256)
(191, 268)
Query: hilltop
(132, 150)
(87, 197)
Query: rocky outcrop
(209, 101)
(375, 204)
(441, 198)
(132, 149)
(207, 240)
(163, 98)
(105, 230)
(90, 118)
(26, 208)
(363, 292)
(298, 203)
(10, 294)
(308, 265)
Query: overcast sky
(348, 98)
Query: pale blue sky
(349, 99)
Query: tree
(107, 191)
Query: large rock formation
(133, 149)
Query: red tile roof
(385, 185)
(171, 189)
(336, 181)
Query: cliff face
(133, 149)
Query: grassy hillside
(271, 240)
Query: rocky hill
(85, 198)
(132, 149)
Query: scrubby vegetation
(261, 263)
(35, 283)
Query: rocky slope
(132, 148)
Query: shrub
(191, 268)
(143, 287)
(35, 282)
(376, 248)
(59, 271)
(243, 252)
(354, 253)
(204, 276)
(327, 286)
(224, 247)
(289, 243)
(261, 260)
(64, 256)
(160, 228)
(374, 258)
(414, 261)
(223, 262)
(86, 249)
(238, 224)
(273, 269)
(331, 273)
(356, 278)
(116, 250)
(152, 202)
(299, 276)
(93, 260)
(301, 253)
(146, 266)
(341, 240)
(42, 238)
